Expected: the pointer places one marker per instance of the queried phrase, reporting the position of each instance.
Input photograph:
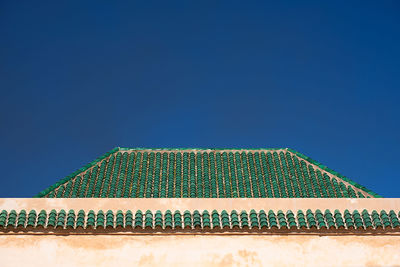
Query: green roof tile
(12, 218)
(194, 173)
(3, 218)
(224, 221)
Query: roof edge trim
(75, 173)
(325, 168)
(193, 148)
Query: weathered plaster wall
(135, 249)
(198, 250)
(200, 203)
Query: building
(197, 207)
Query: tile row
(264, 220)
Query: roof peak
(194, 148)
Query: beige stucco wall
(147, 249)
(198, 250)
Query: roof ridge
(195, 148)
(75, 173)
(335, 173)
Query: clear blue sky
(78, 78)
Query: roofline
(325, 168)
(193, 148)
(72, 175)
(116, 149)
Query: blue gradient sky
(78, 78)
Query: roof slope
(198, 173)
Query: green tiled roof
(298, 221)
(205, 173)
